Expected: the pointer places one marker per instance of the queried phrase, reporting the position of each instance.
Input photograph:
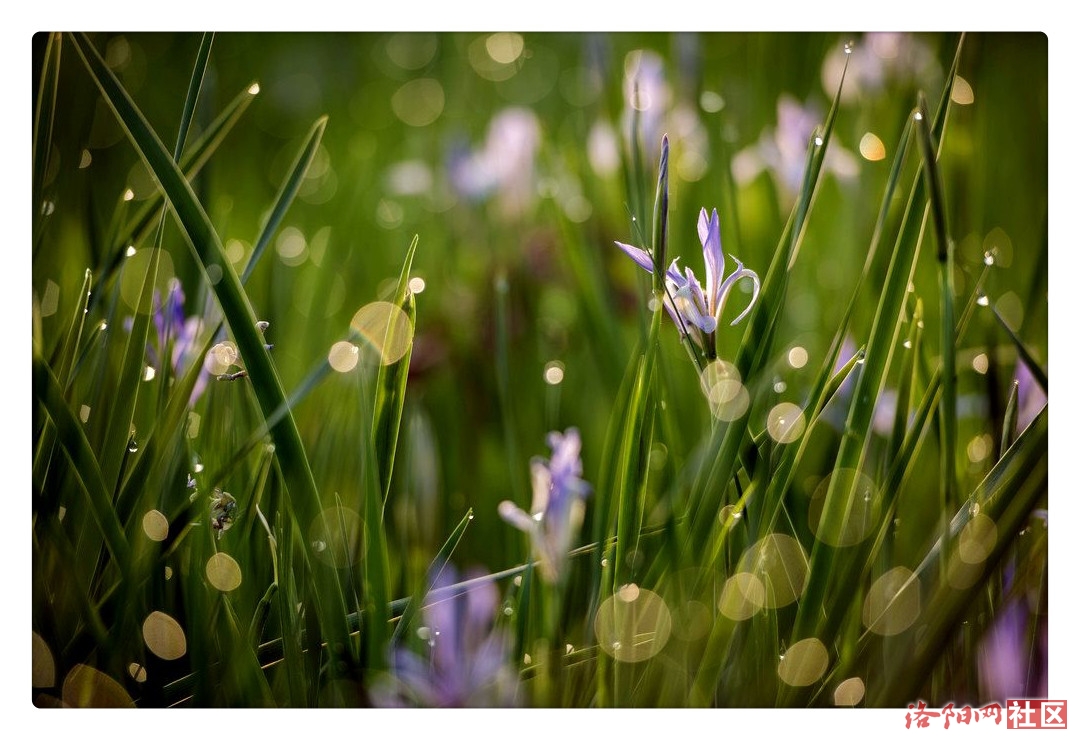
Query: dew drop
(133, 446)
(818, 141)
(471, 517)
(254, 89)
(603, 563)
(508, 611)
(47, 208)
(849, 47)
(988, 257)
(318, 546)
(983, 300)
(907, 344)
(918, 116)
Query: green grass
(860, 506)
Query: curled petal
(643, 258)
(740, 273)
(541, 485)
(517, 518)
(709, 234)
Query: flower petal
(740, 273)
(637, 254)
(709, 234)
(515, 517)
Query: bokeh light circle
(155, 525)
(87, 687)
(722, 385)
(780, 565)
(860, 502)
(977, 539)
(804, 663)
(742, 597)
(634, 629)
(786, 422)
(223, 572)
(164, 636)
(136, 269)
(42, 664)
(849, 693)
(386, 328)
(343, 356)
(893, 603)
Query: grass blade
(84, 464)
(392, 380)
(303, 493)
(286, 194)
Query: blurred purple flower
(782, 151)
(558, 505)
(650, 103)
(466, 665)
(1030, 397)
(1012, 657)
(646, 93)
(176, 337)
(695, 311)
(504, 165)
(876, 62)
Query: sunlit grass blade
(393, 378)
(202, 57)
(118, 434)
(1010, 492)
(879, 351)
(64, 360)
(726, 441)
(825, 387)
(285, 196)
(374, 556)
(947, 334)
(84, 464)
(1037, 371)
(303, 493)
(44, 120)
(1008, 431)
(193, 160)
(134, 352)
(441, 559)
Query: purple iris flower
(466, 664)
(1030, 397)
(696, 310)
(558, 505)
(504, 167)
(176, 337)
(1012, 656)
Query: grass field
(540, 370)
